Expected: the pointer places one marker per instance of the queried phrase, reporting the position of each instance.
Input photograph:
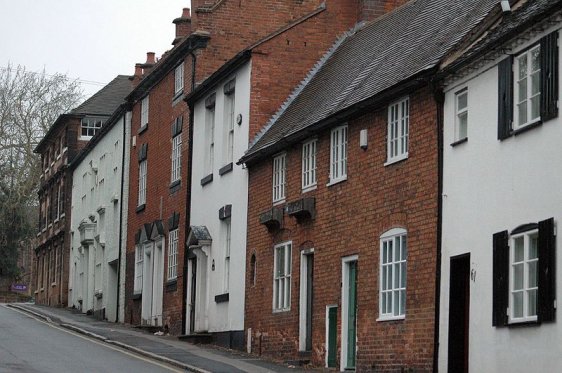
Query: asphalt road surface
(31, 345)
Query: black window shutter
(546, 278)
(501, 279)
(549, 76)
(505, 98)
(143, 152)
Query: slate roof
(511, 24)
(377, 57)
(106, 100)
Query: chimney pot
(186, 13)
(150, 58)
(138, 69)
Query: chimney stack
(373, 9)
(183, 26)
(150, 58)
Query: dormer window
(90, 126)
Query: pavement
(168, 349)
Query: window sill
(136, 296)
(177, 97)
(143, 129)
(391, 318)
(59, 156)
(42, 290)
(61, 216)
(458, 142)
(53, 284)
(526, 128)
(309, 188)
(36, 292)
(281, 310)
(85, 138)
(206, 180)
(280, 202)
(336, 181)
(396, 160)
(140, 208)
(175, 186)
(221, 298)
(225, 169)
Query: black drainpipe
(121, 215)
(439, 98)
(188, 198)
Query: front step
(197, 338)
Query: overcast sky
(90, 40)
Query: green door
(332, 335)
(352, 315)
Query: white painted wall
(491, 186)
(97, 195)
(230, 188)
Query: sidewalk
(192, 358)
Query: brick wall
(351, 216)
(372, 9)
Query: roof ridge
(317, 66)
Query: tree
(29, 104)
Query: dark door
(352, 315)
(332, 335)
(459, 312)
(309, 297)
(192, 300)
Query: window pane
(403, 277)
(518, 276)
(533, 248)
(522, 66)
(402, 302)
(522, 90)
(518, 250)
(384, 274)
(396, 301)
(463, 120)
(535, 107)
(532, 274)
(518, 304)
(462, 101)
(532, 303)
(396, 275)
(535, 59)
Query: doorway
(349, 313)
(192, 266)
(306, 300)
(459, 313)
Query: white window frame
(529, 96)
(527, 288)
(145, 102)
(227, 247)
(139, 263)
(398, 130)
(461, 114)
(229, 102)
(338, 154)
(282, 277)
(91, 125)
(309, 165)
(393, 269)
(173, 237)
(178, 79)
(176, 157)
(143, 168)
(210, 129)
(279, 177)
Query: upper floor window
(392, 294)
(279, 165)
(210, 133)
(398, 129)
(144, 111)
(528, 87)
(90, 126)
(142, 183)
(282, 277)
(523, 274)
(227, 244)
(461, 118)
(338, 154)
(309, 164)
(229, 101)
(173, 254)
(176, 149)
(178, 79)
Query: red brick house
(343, 242)
(66, 137)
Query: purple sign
(19, 287)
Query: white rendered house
(502, 200)
(217, 236)
(99, 221)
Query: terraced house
(343, 208)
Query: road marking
(96, 342)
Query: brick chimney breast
(183, 26)
(373, 9)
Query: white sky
(90, 40)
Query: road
(31, 345)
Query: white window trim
(176, 158)
(526, 236)
(386, 236)
(143, 170)
(279, 180)
(145, 102)
(336, 157)
(309, 165)
(173, 237)
(228, 247)
(229, 109)
(210, 118)
(178, 79)
(403, 155)
(459, 112)
(139, 265)
(527, 54)
(287, 276)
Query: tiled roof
(107, 99)
(375, 58)
(510, 24)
